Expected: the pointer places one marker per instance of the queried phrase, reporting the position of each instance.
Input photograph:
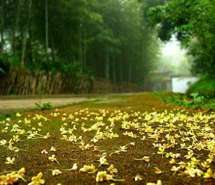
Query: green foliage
(44, 106)
(5, 116)
(204, 87)
(41, 59)
(195, 100)
(4, 64)
(192, 21)
(2, 117)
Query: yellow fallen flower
(157, 170)
(44, 151)
(209, 174)
(138, 178)
(53, 158)
(159, 182)
(3, 142)
(112, 170)
(74, 167)
(10, 160)
(145, 158)
(37, 180)
(103, 176)
(18, 115)
(88, 169)
(53, 149)
(103, 161)
(56, 172)
(12, 177)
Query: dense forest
(107, 39)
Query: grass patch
(204, 87)
(44, 106)
(193, 101)
(2, 117)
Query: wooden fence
(27, 83)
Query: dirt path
(140, 101)
(17, 104)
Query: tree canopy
(193, 22)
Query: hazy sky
(173, 51)
(173, 58)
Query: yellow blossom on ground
(18, 114)
(112, 170)
(88, 169)
(56, 172)
(74, 167)
(37, 180)
(209, 174)
(138, 178)
(10, 160)
(103, 176)
(159, 182)
(13, 177)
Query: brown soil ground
(69, 153)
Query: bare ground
(85, 115)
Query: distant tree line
(107, 39)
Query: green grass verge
(194, 102)
(204, 87)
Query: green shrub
(2, 117)
(204, 87)
(194, 100)
(44, 106)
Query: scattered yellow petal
(138, 178)
(103, 176)
(88, 169)
(37, 180)
(74, 167)
(112, 170)
(53, 149)
(56, 172)
(10, 160)
(18, 115)
(209, 174)
(159, 182)
(157, 170)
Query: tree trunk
(107, 67)
(80, 50)
(18, 16)
(2, 25)
(129, 72)
(16, 25)
(13, 42)
(114, 71)
(85, 52)
(52, 50)
(120, 71)
(30, 59)
(46, 26)
(26, 34)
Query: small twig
(202, 181)
(118, 180)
